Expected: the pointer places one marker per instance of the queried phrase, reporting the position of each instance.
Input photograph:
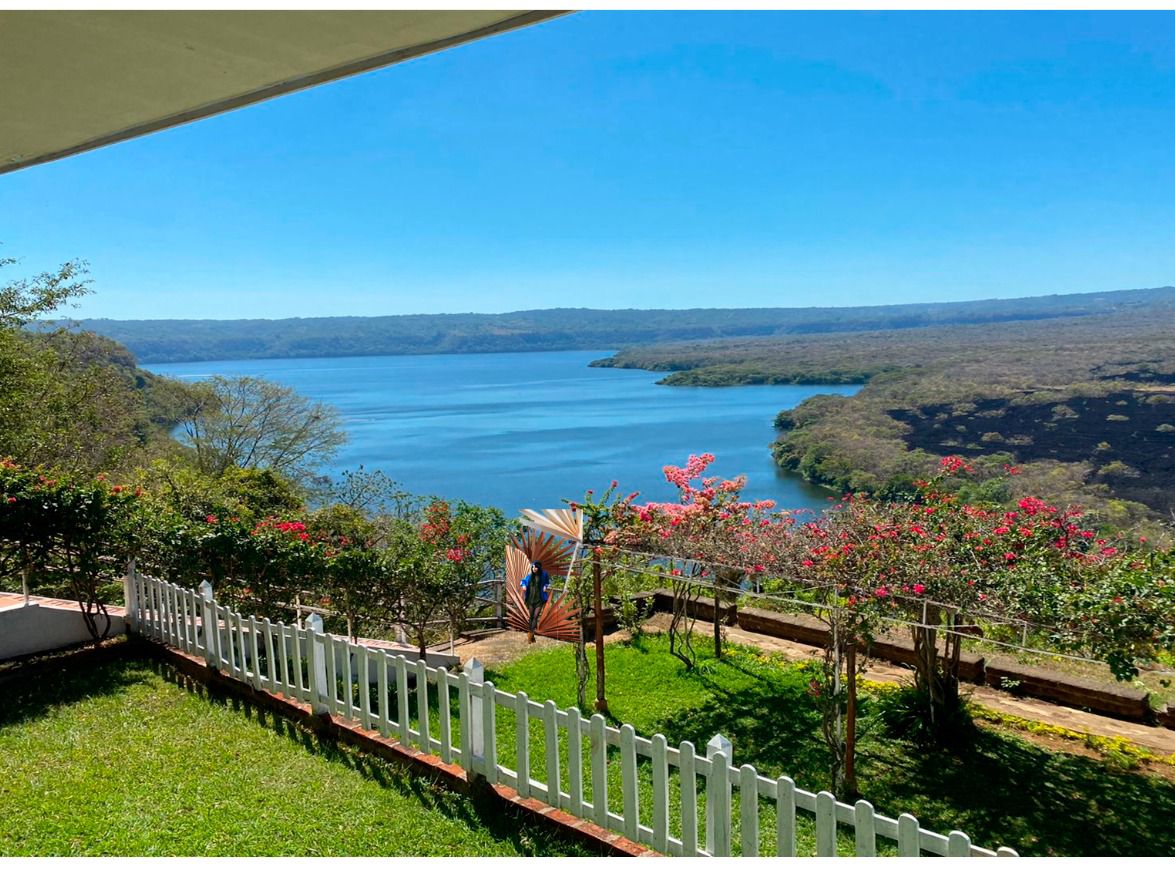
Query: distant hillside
(171, 340)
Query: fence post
(475, 672)
(500, 604)
(316, 667)
(719, 752)
(209, 626)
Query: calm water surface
(519, 430)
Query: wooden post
(208, 625)
(597, 591)
(316, 664)
(719, 752)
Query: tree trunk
(581, 661)
(717, 624)
(935, 676)
(850, 763)
(597, 592)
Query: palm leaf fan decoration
(560, 615)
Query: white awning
(74, 81)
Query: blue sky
(649, 160)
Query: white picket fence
(336, 676)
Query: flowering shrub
(66, 530)
(933, 562)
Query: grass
(119, 759)
(999, 788)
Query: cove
(529, 429)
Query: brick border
(451, 776)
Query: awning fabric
(74, 81)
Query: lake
(517, 430)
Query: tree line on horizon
(175, 340)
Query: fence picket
(864, 829)
(254, 628)
(161, 611)
(958, 844)
(908, 838)
(489, 713)
(785, 816)
(333, 700)
(283, 640)
(364, 659)
(422, 706)
(718, 751)
(628, 781)
(173, 613)
(402, 699)
(825, 824)
(522, 743)
(270, 656)
(446, 722)
(181, 622)
(660, 794)
(689, 799)
(165, 611)
(300, 640)
(181, 619)
(230, 641)
(239, 625)
(551, 733)
(748, 789)
(224, 638)
(191, 614)
(465, 718)
(385, 720)
(599, 758)
(152, 609)
(575, 762)
(348, 679)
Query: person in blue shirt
(534, 587)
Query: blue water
(519, 430)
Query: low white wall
(33, 628)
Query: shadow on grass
(999, 789)
(27, 696)
(1002, 790)
(475, 810)
(774, 727)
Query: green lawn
(120, 760)
(1000, 789)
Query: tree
(72, 531)
(23, 300)
(253, 423)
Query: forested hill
(168, 340)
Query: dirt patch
(501, 648)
